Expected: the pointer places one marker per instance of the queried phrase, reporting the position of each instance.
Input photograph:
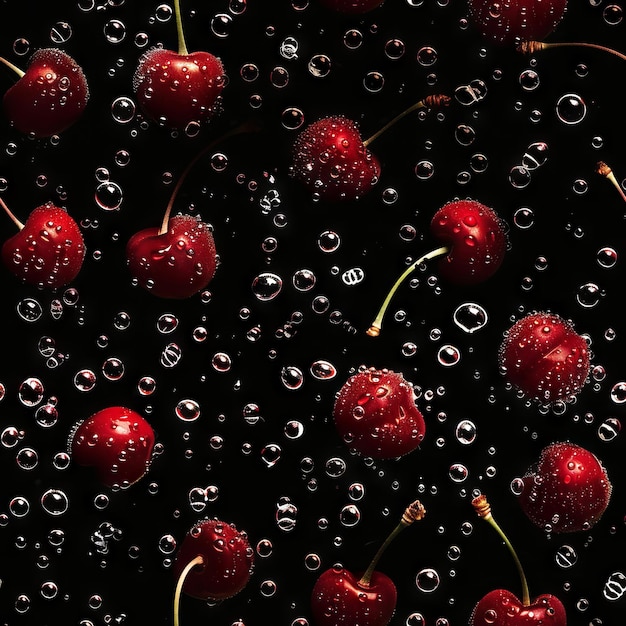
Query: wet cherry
(567, 491)
(501, 607)
(49, 96)
(375, 414)
(341, 597)
(545, 358)
(214, 562)
(475, 243)
(48, 251)
(333, 161)
(117, 442)
(506, 22)
(178, 88)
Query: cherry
(341, 597)
(48, 251)
(567, 491)
(544, 357)
(49, 96)
(505, 22)
(351, 7)
(179, 88)
(117, 442)
(475, 243)
(179, 258)
(500, 607)
(604, 170)
(214, 562)
(333, 161)
(375, 414)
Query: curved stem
(242, 128)
(604, 170)
(413, 513)
(181, 581)
(530, 47)
(483, 509)
(10, 65)
(10, 214)
(182, 44)
(427, 103)
(374, 329)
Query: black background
(546, 267)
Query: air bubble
(427, 580)
(266, 286)
(30, 392)
(123, 110)
(571, 109)
(55, 502)
(323, 370)
(319, 66)
(470, 317)
(566, 557)
(291, 377)
(29, 310)
(187, 410)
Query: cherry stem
(182, 45)
(483, 509)
(530, 47)
(10, 65)
(604, 170)
(181, 581)
(10, 214)
(375, 328)
(413, 513)
(427, 103)
(242, 128)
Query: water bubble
(55, 502)
(529, 80)
(353, 39)
(115, 31)
(29, 310)
(464, 134)
(427, 580)
(615, 586)
(458, 472)
(618, 392)
(266, 286)
(606, 257)
(373, 81)
(30, 392)
(270, 454)
(251, 413)
(286, 514)
(350, 515)
(465, 432)
(187, 410)
(171, 355)
(293, 429)
(566, 556)
(292, 118)
(470, 317)
(588, 295)
(85, 380)
(304, 279)
(167, 323)
(448, 355)
(535, 156)
(220, 25)
(609, 429)
(395, 49)
(123, 110)
(319, 65)
(291, 377)
(613, 14)
(113, 369)
(322, 370)
(329, 241)
(19, 506)
(146, 386)
(524, 218)
(519, 177)
(353, 276)
(571, 109)
(289, 48)
(221, 362)
(424, 169)
(335, 467)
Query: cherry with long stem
(604, 170)
(375, 328)
(483, 510)
(532, 46)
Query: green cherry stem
(377, 324)
(182, 44)
(435, 101)
(604, 170)
(179, 585)
(11, 215)
(483, 509)
(10, 65)
(531, 46)
(413, 513)
(242, 128)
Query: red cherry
(500, 607)
(175, 263)
(504, 21)
(475, 243)
(214, 562)
(48, 251)
(340, 597)
(178, 88)
(351, 7)
(117, 442)
(49, 97)
(544, 357)
(567, 491)
(333, 161)
(375, 414)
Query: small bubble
(519, 177)
(187, 410)
(566, 556)
(291, 377)
(571, 109)
(470, 317)
(29, 310)
(266, 286)
(465, 432)
(319, 66)
(55, 502)
(123, 110)
(30, 392)
(427, 580)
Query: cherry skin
(117, 442)
(500, 607)
(48, 251)
(332, 161)
(507, 22)
(177, 263)
(477, 240)
(567, 491)
(215, 561)
(375, 413)
(175, 89)
(49, 96)
(544, 357)
(338, 594)
(351, 7)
